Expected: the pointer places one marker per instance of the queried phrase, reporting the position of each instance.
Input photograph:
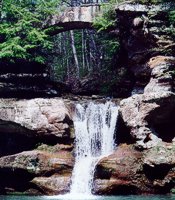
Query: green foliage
(21, 29)
(104, 22)
(149, 1)
(110, 45)
(107, 19)
(172, 17)
(96, 52)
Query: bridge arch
(71, 18)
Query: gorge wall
(144, 160)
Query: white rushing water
(94, 131)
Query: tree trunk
(75, 54)
(95, 55)
(1, 6)
(83, 50)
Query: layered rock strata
(36, 146)
(145, 164)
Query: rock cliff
(36, 135)
(36, 146)
(145, 163)
(129, 171)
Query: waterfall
(94, 138)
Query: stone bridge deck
(75, 18)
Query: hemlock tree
(22, 35)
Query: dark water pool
(149, 197)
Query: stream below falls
(128, 197)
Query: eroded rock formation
(36, 146)
(145, 164)
(148, 43)
(26, 80)
(129, 171)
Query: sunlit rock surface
(145, 114)
(36, 139)
(42, 117)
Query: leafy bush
(172, 17)
(107, 19)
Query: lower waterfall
(94, 138)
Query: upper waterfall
(94, 136)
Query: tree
(75, 53)
(22, 35)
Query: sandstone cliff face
(26, 80)
(149, 112)
(147, 165)
(36, 146)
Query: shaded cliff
(145, 163)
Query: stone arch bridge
(80, 17)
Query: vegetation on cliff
(71, 56)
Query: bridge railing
(74, 3)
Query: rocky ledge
(149, 116)
(129, 171)
(36, 146)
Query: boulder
(38, 162)
(44, 169)
(53, 185)
(119, 172)
(162, 74)
(129, 171)
(44, 116)
(144, 114)
(26, 123)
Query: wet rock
(129, 171)
(47, 171)
(119, 172)
(38, 162)
(53, 185)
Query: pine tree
(22, 35)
